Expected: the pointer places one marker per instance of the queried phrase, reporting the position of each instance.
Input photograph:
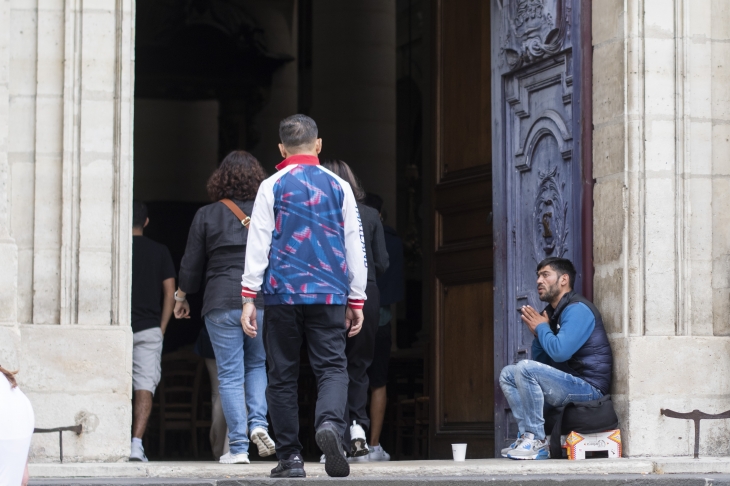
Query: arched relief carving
(533, 30)
(549, 123)
(550, 216)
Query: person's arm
(576, 325)
(539, 354)
(357, 264)
(192, 264)
(380, 253)
(258, 245)
(168, 302)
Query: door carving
(536, 123)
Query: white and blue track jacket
(305, 241)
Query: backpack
(582, 417)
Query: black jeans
(285, 326)
(360, 350)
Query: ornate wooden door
(537, 128)
(462, 395)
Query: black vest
(593, 362)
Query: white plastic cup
(459, 451)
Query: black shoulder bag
(582, 417)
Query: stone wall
(661, 152)
(66, 81)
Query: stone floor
(639, 471)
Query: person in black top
(390, 285)
(217, 246)
(360, 348)
(153, 286)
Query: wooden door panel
(466, 98)
(461, 263)
(468, 328)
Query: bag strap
(556, 448)
(245, 220)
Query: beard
(550, 293)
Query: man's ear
(283, 151)
(146, 222)
(565, 282)
(318, 145)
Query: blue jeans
(241, 360)
(529, 385)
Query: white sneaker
(377, 453)
(530, 449)
(137, 453)
(229, 458)
(513, 445)
(358, 444)
(261, 438)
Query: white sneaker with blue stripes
(530, 449)
(516, 443)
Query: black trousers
(360, 350)
(285, 326)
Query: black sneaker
(329, 441)
(289, 468)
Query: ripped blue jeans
(529, 385)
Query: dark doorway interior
(211, 77)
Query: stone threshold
(393, 470)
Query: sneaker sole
(335, 465)
(136, 459)
(238, 461)
(264, 443)
(359, 447)
(290, 473)
(536, 457)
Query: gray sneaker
(516, 443)
(530, 449)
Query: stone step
(508, 480)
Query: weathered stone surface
(682, 374)
(417, 469)
(609, 150)
(106, 420)
(608, 288)
(608, 221)
(608, 82)
(77, 359)
(607, 20)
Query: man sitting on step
(572, 358)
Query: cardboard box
(578, 444)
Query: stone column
(66, 72)
(354, 89)
(661, 109)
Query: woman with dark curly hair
(218, 236)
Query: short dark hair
(238, 177)
(374, 201)
(561, 267)
(139, 214)
(343, 171)
(297, 131)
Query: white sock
(137, 441)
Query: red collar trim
(298, 159)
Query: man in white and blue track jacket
(306, 253)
